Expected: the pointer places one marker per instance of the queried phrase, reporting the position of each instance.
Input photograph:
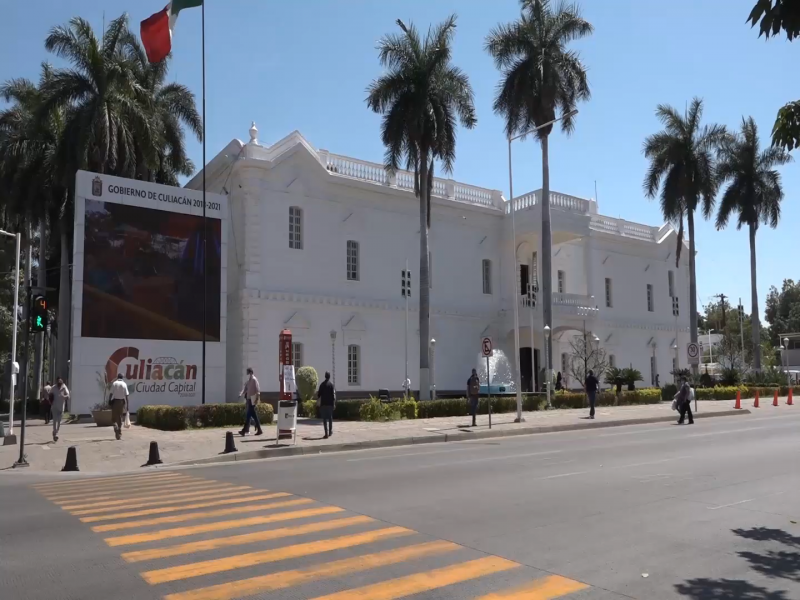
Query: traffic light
(676, 311)
(39, 314)
(406, 287)
(741, 313)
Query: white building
(318, 243)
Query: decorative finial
(253, 133)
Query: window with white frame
(608, 293)
(352, 260)
(487, 276)
(671, 283)
(353, 364)
(297, 355)
(296, 227)
(650, 297)
(562, 282)
(612, 361)
(535, 268)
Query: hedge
(33, 406)
(375, 410)
(175, 418)
(729, 392)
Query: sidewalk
(98, 451)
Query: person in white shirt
(119, 404)
(60, 404)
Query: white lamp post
(786, 351)
(14, 366)
(433, 370)
(710, 348)
(517, 360)
(333, 356)
(677, 366)
(548, 378)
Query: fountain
(501, 371)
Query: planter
(102, 418)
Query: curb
(432, 439)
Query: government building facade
(318, 244)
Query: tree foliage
(783, 310)
(772, 16)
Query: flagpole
(205, 235)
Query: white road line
(422, 453)
(723, 432)
(564, 475)
(745, 501)
(488, 458)
(602, 468)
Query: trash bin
(287, 420)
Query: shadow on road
(766, 534)
(726, 589)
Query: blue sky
(305, 65)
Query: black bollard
(154, 458)
(72, 460)
(229, 445)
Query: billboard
(139, 278)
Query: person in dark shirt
(591, 391)
(326, 400)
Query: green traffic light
(39, 323)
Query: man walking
(45, 403)
(326, 398)
(473, 393)
(684, 398)
(252, 396)
(591, 391)
(119, 404)
(60, 404)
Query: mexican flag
(157, 30)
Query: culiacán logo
(147, 375)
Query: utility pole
(722, 298)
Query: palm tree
(421, 97)
(682, 157)
(541, 80)
(754, 192)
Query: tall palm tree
(682, 157)
(542, 80)
(422, 96)
(754, 192)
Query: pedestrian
(684, 398)
(618, 384)
(326, 400)
(251, 392)
(119, 404)
(559, 384)
(473, 393)
(591, 391)
(59, 406)
(46, 404)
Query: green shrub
(307, 380)
(611, 375)
(375, 410)
(447, 407)
(348, 410)
(309, 408)
(630, 376)
(720, 392)
(641, 396)
(176, 418)
(668, 391)
(33, 406)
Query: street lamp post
(433, 370)
(677, 366)
(517, 360)
(17, 237)
(333, 356)
(548, 378)
(786, 352)
(710, 348)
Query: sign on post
(486, 347)
(488, 351)
(693, 353)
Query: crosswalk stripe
(124, 492)
(141, 538)
(220, 491)
(242, 561)
(95, 480)
(287, 579)
(168, 509)
(113, 485)
(200, 515)
(553, 586)
(247, 538)
(430, 580)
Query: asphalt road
(648, 512)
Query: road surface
(649, 512)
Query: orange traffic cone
(755, 404)
(789, 400)
(775, 399)
(738, 400)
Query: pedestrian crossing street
(198, 539)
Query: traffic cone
(229, 445)
(72, 460)
(755, 404)
(738, 400)
(775, 399)
(154, 458)
(789, 399)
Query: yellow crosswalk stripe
(242, 561)
(221, 491)
(125, 492)
(163, 534)
(430, 580)
(94, 480)
(200, 515)
(287, 579)
(113, 485)
(247, 538)
(167, 509)
(546, 588)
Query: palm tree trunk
(38, 360)
(692, 286)
(64, 307)
(754, 319)
(547, 260)
(424, 283)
